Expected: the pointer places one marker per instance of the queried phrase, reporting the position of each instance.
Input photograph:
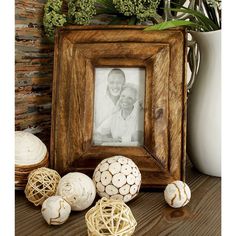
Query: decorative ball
(110, 217)
(117, 177)
(78, 190)
(177, 194)
(29, 149)
(55, 210)
(30, 153)
(42, 183)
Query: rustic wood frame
(78, 49)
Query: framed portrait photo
(119, 90)
(118, 118)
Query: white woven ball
(117, 177)
(55, 210)
(77, 189)
(177, 194)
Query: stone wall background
(33, 70)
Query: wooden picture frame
(78, 50)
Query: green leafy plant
(82, 12)
(129, 11)
(206, 17)
(172, 24)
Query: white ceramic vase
(204, 106)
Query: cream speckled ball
(77, 189)
(177, 194)
(55, 210)
(117, 177)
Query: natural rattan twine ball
(110, 217)
(42, 183)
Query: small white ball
(117, 177)
(55, 210)
(77, 189)
(177, 194)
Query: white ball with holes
(177, 194)
(77, 189)
(117, 177)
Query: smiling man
(106, 104)
(127, 124)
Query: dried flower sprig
(53, 17)
(81, 12)
(141, 9)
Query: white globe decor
(30, 153)
(77, 189)
(29, 149)
(177, 194)
(55, 210)
(118, 178)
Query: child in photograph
(125, 125)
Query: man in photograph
(106, 102)
(125, 125)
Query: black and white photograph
(119, 107)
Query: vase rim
(208, 32)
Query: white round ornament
(55, 210)
(177, 194)
(29, 149)
(117, 177)
(77, 189)
(30, 153)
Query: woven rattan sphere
(117, 177)
(110, 217)
(42, 183)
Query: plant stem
(132, 20)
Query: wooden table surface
(201, 217)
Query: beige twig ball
(55, 210)
(177, 194)
(117, 177)
(42, 183)
(110, 217)
(77, 189)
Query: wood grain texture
(78, 50)
(202, 216)
(33, 70)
